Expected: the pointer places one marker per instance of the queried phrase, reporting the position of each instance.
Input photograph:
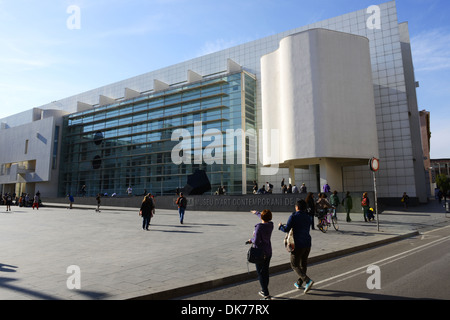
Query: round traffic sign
(374, 164)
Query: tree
(443, 183)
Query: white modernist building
(339, 92)
(318, 88)
(30, 145)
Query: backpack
(334, 199)
(289, 241)
(182, 202)
(364, 202)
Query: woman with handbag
(261, 240)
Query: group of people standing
(322, 204)
(267, 188)
(24, 200)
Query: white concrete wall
(40, 136)
(317, 91)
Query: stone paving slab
(118, 260)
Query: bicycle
(326, 220)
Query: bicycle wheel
(323, 225)
(335, 223)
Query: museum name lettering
(256, 201)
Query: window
(55, 148)
(26, 146)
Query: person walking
(99, 200)
(365, 204)
(311, 203)
(154, 204)
(405, 199)
(347, 202)
(146, 211)
(36, 202)
(71, 200)
(261, 239)
(130, 191)
(439, 196)
(27, 200)
(334, 201)
(300, 222)
(182, 204)
(8, 201)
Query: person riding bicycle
(322, 207)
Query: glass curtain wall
(109, 148)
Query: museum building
(311, 105)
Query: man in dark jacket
(300, 222)
(146, 211)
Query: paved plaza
(115, 259)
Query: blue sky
(42, 60)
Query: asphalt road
(414, 268)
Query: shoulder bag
(255, 255)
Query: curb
(233, 279)
(90, 207)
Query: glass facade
(129, 143)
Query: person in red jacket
(182, 204)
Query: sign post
(374, 165)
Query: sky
(52, 49)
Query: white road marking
(361, 270)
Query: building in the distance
(311, 105)
(30, 147)
(440, 166)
